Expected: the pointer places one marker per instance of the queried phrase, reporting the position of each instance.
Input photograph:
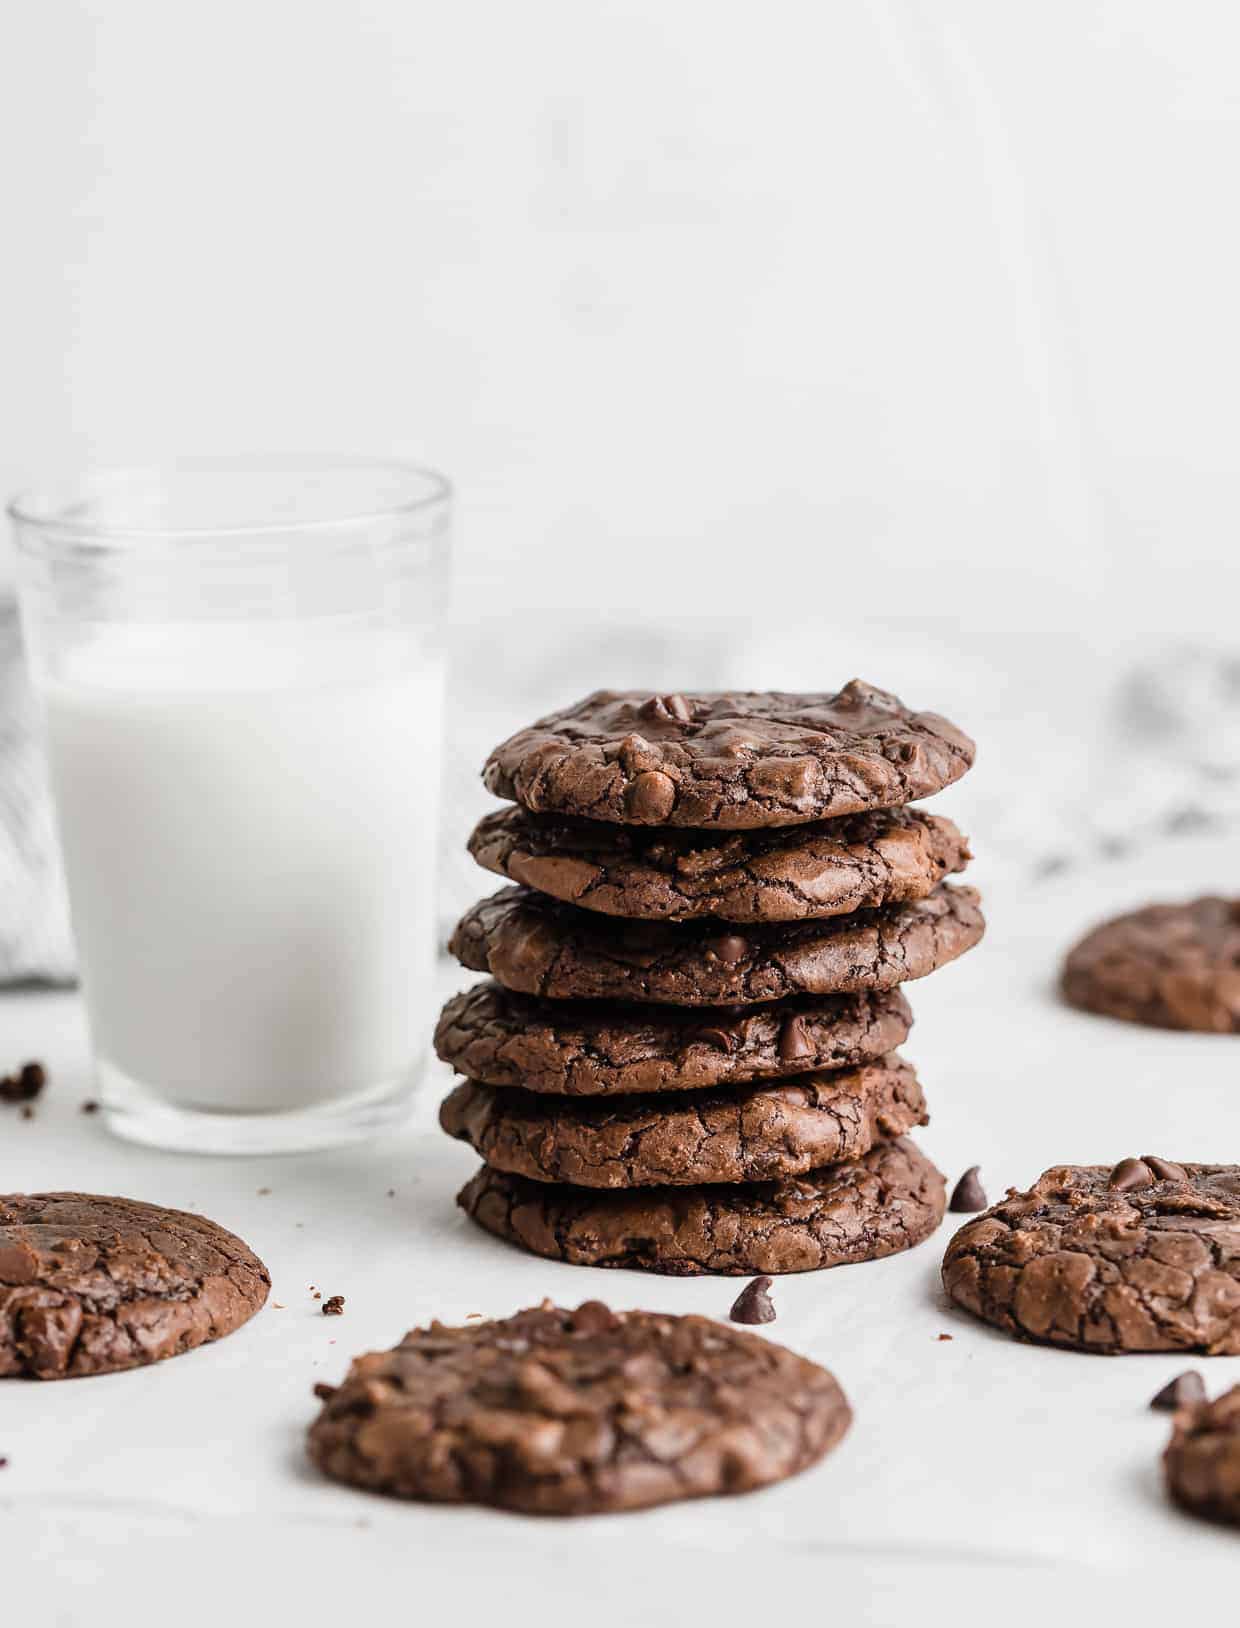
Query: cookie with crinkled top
(558, 1412)
(92, 1285)
(747, 1133)
(790, 873)
(728, 760)
(859, 1210)
(1144, 1256)
(1202, 1460)
(539, 946)
(1172, 966)
(604, 1048)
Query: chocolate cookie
(1144, 1257)
(540, 947)
(728, 760)
(889, 1199)
(751, 1133)
(492, 1034)
(789, 874)
(572, 1413)
(1173, 966)
(92, 1285)
(1202, 1461)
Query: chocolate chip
(324, 1392)
(719, 1038)
(1180, 1392)
(667, 706)
(651, 797)
(968, 1195)
(333, 1306)
(793, 1040)
(731, 949)
(593, 1317)
(25, 1085)
(946, 1336)
(753, 1304)
(1128, 1175)
(1164, 1169)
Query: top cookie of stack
(648, 828)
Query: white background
(934, 302)
(799, 340)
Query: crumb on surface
(947, 1336)
(263, 1192)
(333, 1306)
(90, 1106)
(25, 1085)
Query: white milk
(248, 817)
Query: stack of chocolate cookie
(685, 1058)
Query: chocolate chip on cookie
(1202, 1461)
(728, 761)
(604, 1049)
(92, 1285)
(539, 946)
(1109, 1259)
(562, 1413)
(792, 873)
(886, 1201)
(1172, 966)
(757, 1132)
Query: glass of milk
(241, 668)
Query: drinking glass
(241, 670)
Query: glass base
(136, 1113)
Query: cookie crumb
(968, 1195)
(753, 1304)
(278, 1305)
(27, 1111)
(25, 1085)
(946, 1336)
(263, 1192)
(4, 1463)
(333, 1306)
(90, 1106)
(391, 1192)
(324, 1391)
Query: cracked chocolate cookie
(1202, 1460)
(572, 1413)
(792, 873)
(732, 761)
(1172, 966)
(92, 1285)
(539, 946)
(888, 1200)
(489, 1033)
(750, 1133)
(1143, 1257)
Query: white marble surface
(978, 1470)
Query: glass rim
(49, 510)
